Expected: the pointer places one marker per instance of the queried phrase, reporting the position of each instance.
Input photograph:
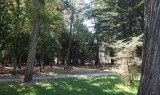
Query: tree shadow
(85, 86)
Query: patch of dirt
(6, 71)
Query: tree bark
(76, 55)
(97, 55)
(16, 54)
(19, 62)
(150, 78)
(58, 57)
(17, 30)
(70, 39)
(33, 43)
(14, 65)
(112, 55)
(40, 64)
(82, 59)
(63, 56)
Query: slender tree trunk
(16, 54)
(19, 62)
(97, 55)
(17, 30)
(130, 71)
(82, 58)
(63, 56)
(76, 58)
(46, 58)
(10, 60)
(14, 65)
(112, 55)
(44, 62)
(50, 60)
(58, 58)
(40, 64)
(70, 39)
(39, 61)
(33, 43)
(150, 78)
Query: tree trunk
(76, 58)
(58, 60)
(97, 55)
(17, 30)
(70, 39)
(19, 62)
(39, 62)
(16, 54)
(10, 60)
(44, 59)
(82, 60)
(150, 78)
(112, 55)
(63, 56)
(33, 43)
(14, 65)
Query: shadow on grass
(86, 86)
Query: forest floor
(55, 72)
(35, 78)
(82, 80)
(105, 85)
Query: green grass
(59, 73)
(110, 85)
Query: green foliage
(15, 27)
(118, 19)
(117, 24)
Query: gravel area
(57, 77)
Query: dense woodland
(47, 33)
(50, 32)
(72, 33)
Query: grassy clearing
(59, 73)
(110, 85)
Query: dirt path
(57, 77)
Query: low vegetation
(110, 85)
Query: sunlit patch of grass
(58, 73)
(110, 85)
